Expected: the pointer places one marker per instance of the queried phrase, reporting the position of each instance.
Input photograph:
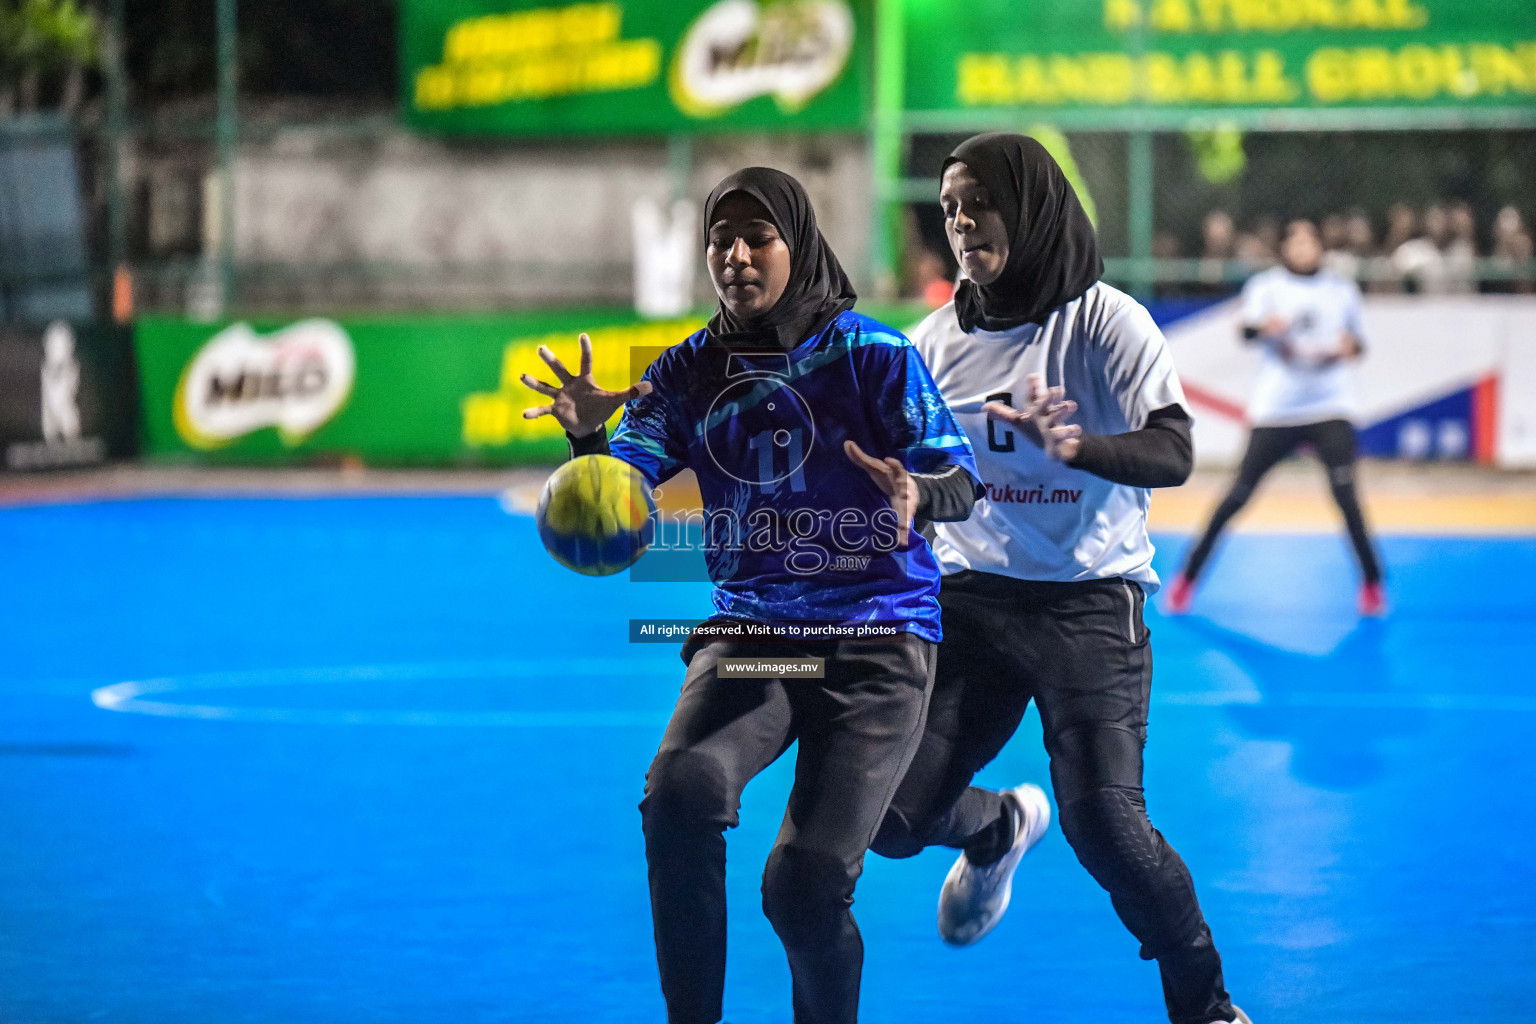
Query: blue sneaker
(974, 898)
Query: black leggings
(1334, 442)
(858, 729)
(1082, 653)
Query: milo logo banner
(389, 391)
(528, 67)
(294, 381)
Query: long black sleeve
(945, 497)
(595, 443)
(1161, 454)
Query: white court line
(1346, 700)
(129, 697)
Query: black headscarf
(817, 290)
(1053, 256)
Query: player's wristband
(945, 497)
(595, 443)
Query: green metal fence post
(117, 231)
(1139, 171)
(886, 145)
(1140, 202)
(227, 135)
(679, 164)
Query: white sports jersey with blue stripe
(1041, 519)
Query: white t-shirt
(1320, 308)
(1040, 519)
(1422, 260)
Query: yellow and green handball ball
(596, 515)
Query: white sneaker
(1239, 1017)
(974, 898)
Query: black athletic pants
(1334, 442)
(1081, 652)
(858, 728)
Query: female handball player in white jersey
(1308, 320)
(1068, 393)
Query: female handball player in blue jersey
(1068, 392)
(817, 435)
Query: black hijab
(1053, 256)
(817, 289)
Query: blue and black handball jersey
(793, 530)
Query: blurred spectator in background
(1165, 246)
(1334, 230)
(1402, 226)
(1218, 244)
(1433, 254)
(1267, 229)
(1338, 255)
(1420, 261)
(1362, 236)
(1512, 248)
(1460, 249)
(1217, 234)
(1256, 249)
(930, 278)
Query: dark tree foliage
(342, 49)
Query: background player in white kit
(1045, 584)
(1308, 320)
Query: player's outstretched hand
(578, 404)
(1044, 420)
(1276, 329)
(892, 478)
(1349, 348)
(1275, 326)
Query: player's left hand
(1044, 420)
(893, 479)
(578, 404)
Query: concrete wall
(326, 220)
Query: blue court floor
(377, 760)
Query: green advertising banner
(539, 67)
(401, 391)
(1204, 54)
(425, 391)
